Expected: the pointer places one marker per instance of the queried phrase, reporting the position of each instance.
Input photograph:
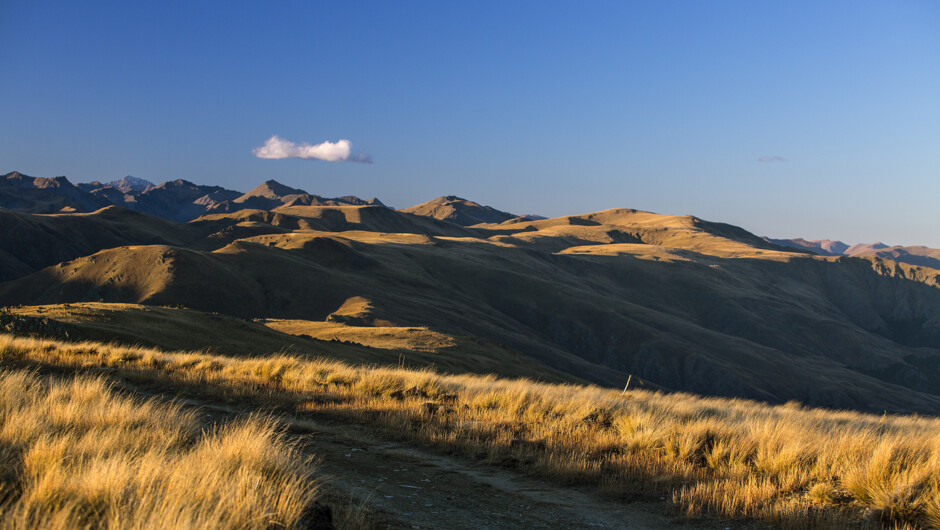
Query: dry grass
(382, 337)
(784, 465)
(77, 455)
(173, 329)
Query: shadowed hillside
(342, 336)
(680, 302)
(31, 242)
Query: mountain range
(670, 302)
(915, 255)
(182, 201)
(178, 200)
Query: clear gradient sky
(532, 107)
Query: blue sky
(532, 107)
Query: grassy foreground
(74, 454)
(784, 465)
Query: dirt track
(404, 486)
(416, 488)
(398, 485)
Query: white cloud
(340, 151)
(766, 158)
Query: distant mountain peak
(129, 184)
(913, 255)
(825, 247)
(461, 211)
(178, 183)
(272, 189)
(532, 217)
(269, 194)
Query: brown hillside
(618, 226)
(166, 327)
(31, 242)
(678, 301)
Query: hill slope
(31, 242)
(674, 300)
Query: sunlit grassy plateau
(150, 463)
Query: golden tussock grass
(75, 454)
(784, 465)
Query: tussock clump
(823, 493)
(77, 455)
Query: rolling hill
(677, 302)
(31, 242)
